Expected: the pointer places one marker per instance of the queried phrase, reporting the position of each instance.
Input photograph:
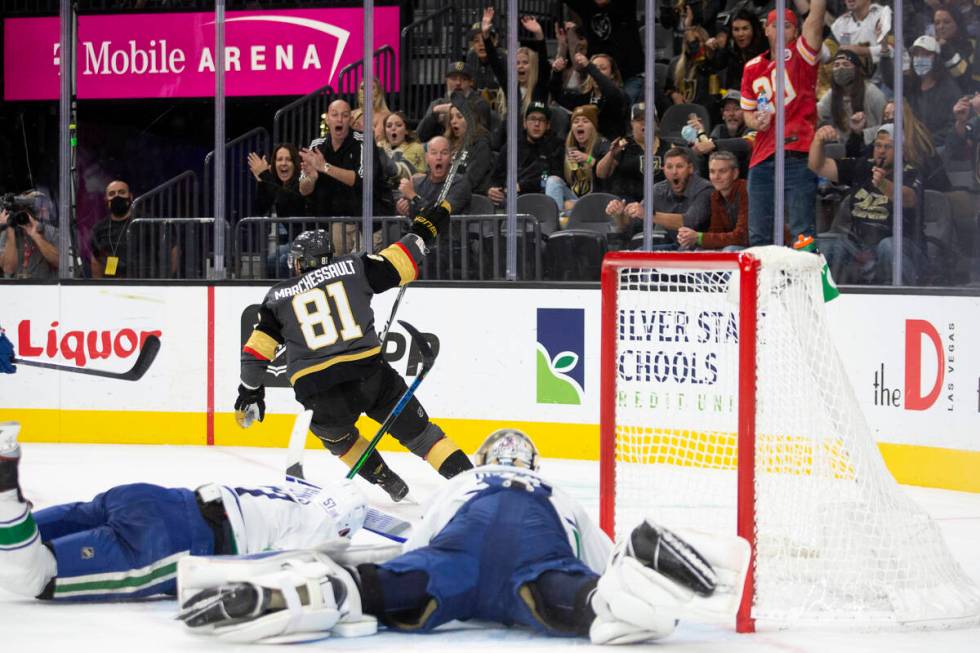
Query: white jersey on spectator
(871, 31)
(296, 515)
(591, 545)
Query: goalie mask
(508, 447)
(311, 250)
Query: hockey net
(725, 407)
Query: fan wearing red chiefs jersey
(758, 83)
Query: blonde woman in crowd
(381, 110)
(532, 61)
(584, 148)
(919, 150)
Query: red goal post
(748, 267)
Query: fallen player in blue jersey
(498, 543)
(125, 543)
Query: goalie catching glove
(432, 221)
(295, 596)
(250, 405)
(655, 577)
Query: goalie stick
(453, 169)
(297, 444)
(148, 352)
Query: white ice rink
(53, 473)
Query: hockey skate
(9, 458)
(390, 482)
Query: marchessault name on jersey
(311, 279)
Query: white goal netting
(837, 540)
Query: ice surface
(57, 473)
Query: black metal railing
(385, 70)
(176, 197)
(299, 121)
(545, 11)
(240, 186)
(428, 45)
(474, 248)
(477, 249)
(261, 243)
(169, 248)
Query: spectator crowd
(582, 123)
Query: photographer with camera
(27, 249)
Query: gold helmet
(508, 447)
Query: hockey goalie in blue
(125, 543)
(499, 543)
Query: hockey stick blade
(381, 523)
(425, 349)
(297, 444)
(147, 355)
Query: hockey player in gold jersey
(335, 362)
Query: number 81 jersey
(325, 320)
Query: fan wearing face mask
(854, 106)
(109, 244)
(929, 88)
(693, 77)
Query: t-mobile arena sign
(172, 54)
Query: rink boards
(527, 357)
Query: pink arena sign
(172, 54)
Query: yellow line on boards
(951, 469)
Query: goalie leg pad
(656, 577)
(294, 596)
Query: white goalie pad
(635, 602)
(314, 597)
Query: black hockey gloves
(250, 405)
(431, 222)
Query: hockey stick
(428, 359)
(443, 194)
(391, 318)
(143, 361)
(297, 438)
(297, 444)
(385, 525)
(375, 521)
